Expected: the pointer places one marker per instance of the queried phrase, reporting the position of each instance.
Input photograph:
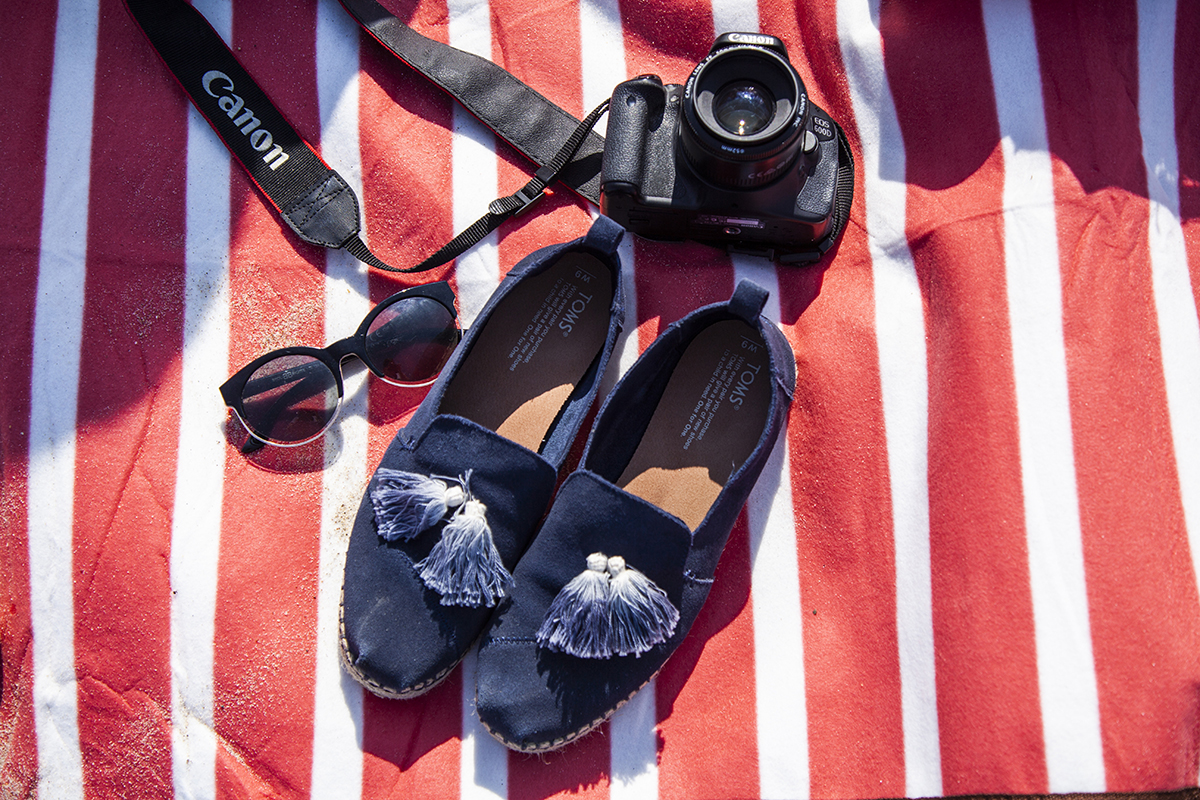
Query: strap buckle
(524, 198)
(519, 202)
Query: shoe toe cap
(396, 646)
(534, 700)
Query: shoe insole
(711, 415)
(538, 344)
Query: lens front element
(744, 110)
(744, 107)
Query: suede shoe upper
(535, 697)
(559, 310)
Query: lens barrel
(745, 108)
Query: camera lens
(744, 111)
(744, 108)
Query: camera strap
(318, 204)
(313, 199)
(517, 113)
(533, 124)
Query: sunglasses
(291, 396)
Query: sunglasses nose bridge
(342, 349)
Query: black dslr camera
(738, 157)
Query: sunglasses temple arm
(252, 445)
(300, 372)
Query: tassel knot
(608, 609)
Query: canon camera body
(738, 157)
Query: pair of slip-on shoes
(581, 605)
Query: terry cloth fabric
(969, 568)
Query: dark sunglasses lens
(290, 399)
(411, 340)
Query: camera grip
(635, 109)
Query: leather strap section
(517, 113)
(313, 199)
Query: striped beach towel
(970, 567)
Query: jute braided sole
(563, 741)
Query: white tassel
(464, 567)
(640, 614)
(406, 503)
(609, 609)
(577, 620)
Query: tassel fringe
(464, 567)
(577, 620)
(641, 613)
(406, 503)
(609, 609)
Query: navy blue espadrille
(625, 559)
(461, 489)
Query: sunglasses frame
(335, 353)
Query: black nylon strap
(520, 201)
(517, 113)
(313, 199)
(534, 125)
(498, 210)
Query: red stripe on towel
(580, 770)
(840, 490)
(26, 61)
(1142, 593)
(989, 716)
(128, 419)
(411, 747)
(263, 670)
